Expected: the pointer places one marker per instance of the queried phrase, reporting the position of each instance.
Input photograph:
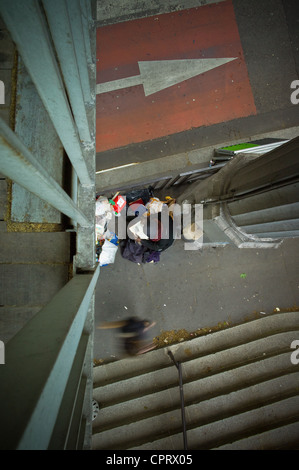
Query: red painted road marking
(127, 116)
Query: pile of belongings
(106, 240)
(139, 204)
(137, 253)
(132, 249)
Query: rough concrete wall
(109, 12)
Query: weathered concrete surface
(111, 12)
(195, 289)
(240, 386)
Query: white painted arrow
(156, 75)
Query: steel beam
(28, 29)
(75, 16)
(39, 360)
(86, 21)
(63, 423)
(60, 27)
(21, 166)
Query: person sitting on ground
(160, 229)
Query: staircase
(273, 214)
(240, 392)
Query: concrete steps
(272, 201)
(286, 228)
(275, 222)
(270, 215)
(240, 388)
(273, 214)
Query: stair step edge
(219, 340)
(194, 369)
(195, 392)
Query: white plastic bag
(107, 255)
(103, 206)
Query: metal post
(39, 363)
(28, 29)
(85, 23)
(58, 19)
(79, 44)
(18, 164)
(178, 366)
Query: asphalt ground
(268, 33)
(190, 290)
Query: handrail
(165, 182)
(29, 31)
(43, 363)
(178, 366)
(46, 374)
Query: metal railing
(43, 381)
(46, 381)
(179, 368)
(169, 181)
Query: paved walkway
(246, 97)
(188, 290)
